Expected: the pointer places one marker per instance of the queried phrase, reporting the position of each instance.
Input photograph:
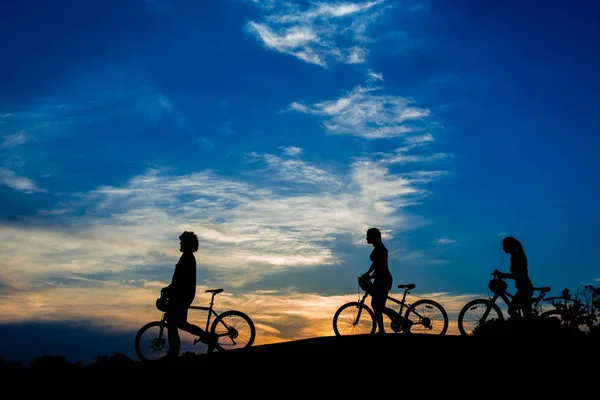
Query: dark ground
(425, 364)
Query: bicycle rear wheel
(426, 317)
(353, 318)
(233, 330)
(475, 313)
(151, 341)
(560, 319)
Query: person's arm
(371, 269)
(503, 274)
(168, 290)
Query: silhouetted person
(382, 277)
(181, 293)
(518, 272)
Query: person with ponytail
(518, 272)
(381, 275)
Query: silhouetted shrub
(551, 327)
(117, 360)
(54, 363)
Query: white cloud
(375, 76)
(362, 112)
(260, 225)
(12, 180)
(293, 170)
(16, 139)
(319, 34)
(445, 241)
(292, 151)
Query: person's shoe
(202, 338)
(211, 343)
(206, 338)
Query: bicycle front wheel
(476, 313)
(354, 318)
(151, 341)
(233, 330)
(427, 317)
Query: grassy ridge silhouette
(419, 349)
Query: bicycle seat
(409, 286)
(543, 289)
(215, 291)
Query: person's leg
(193, 329)
(184, 325)
(378, 304)
(526, 295)
(173, 336)
(521, 301)
(515, 305)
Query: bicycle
(569, 312)
(229, 330)
(423, 316)
(479, 311)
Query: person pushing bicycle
(518, 272)
(382, 277)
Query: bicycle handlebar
(497, 274)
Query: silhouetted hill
(352, 357)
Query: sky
(279, 132)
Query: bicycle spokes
(427, 317)
(233, 329)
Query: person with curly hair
(180, 294)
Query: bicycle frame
(209, 309)
(507, 297)
(390, 312)
(401, 303)
(422, 316)
(227, 330)
(478, 311)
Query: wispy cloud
(365, 113)
(12, 180)
(16, 139)
(58, 117)
(55, 118)
(259, 225)
(374, 76)
(292, 169)
(445, 241)
(117, 241)
(320, 33)
(291, 150)
(407, 154)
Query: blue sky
(279, 131)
